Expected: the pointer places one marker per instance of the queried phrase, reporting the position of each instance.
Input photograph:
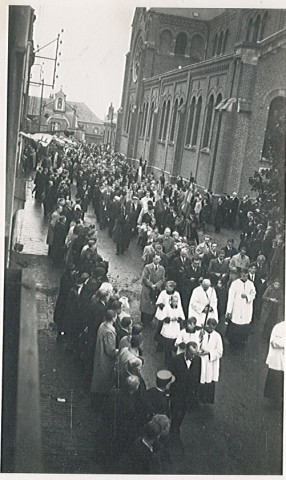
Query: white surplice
(241, 308)
(212, 344)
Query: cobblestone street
(217, 439)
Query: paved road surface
(240, 434)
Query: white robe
(172, 329)
(185, 337)
(165, 298)
(199, 300)
(241, 308)
(275, 358)
(210, 363)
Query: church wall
(267, 87)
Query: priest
(239, 309)
(203, 303)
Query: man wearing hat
(158, 398)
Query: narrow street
(219, 439)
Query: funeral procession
(144, 245)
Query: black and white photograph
(143, 242)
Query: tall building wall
(234, 72)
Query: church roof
(83, 112)
(195, 13)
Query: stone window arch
(165, 42)
(197, 121)
(190, 121)
(181, 43)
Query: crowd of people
(190, 286)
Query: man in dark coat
(158, 398)
(218, 268)
(153, 279)
(181, 269)
(58, 247)
(124, 415)
(97, 311)
(67, 282)
(186, 368)
(218, 220)
(229, 249)
(196, 273)
(113, 213)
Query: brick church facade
(204, 94)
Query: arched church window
(197, 48)
(142, 117)
(165, 42)
(209, 114)
(220, 42)
(162, 120)
(215, 45)
(181, 43)
(190, 121)
(225, 41)
(151, 119)
(166, 120)
(145, 119)
(174, 120)
(256, 29)
(249, 30)
(197, 121)
(60, 103)
(218, 100)
(263, 26)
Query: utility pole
(41, 101)
(54, 59)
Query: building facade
(20, 60)
(203, 92)
(57, 114)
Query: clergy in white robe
(211, 350)
(203, 303)
(191, 333)
(276, 363)
(239, 308)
